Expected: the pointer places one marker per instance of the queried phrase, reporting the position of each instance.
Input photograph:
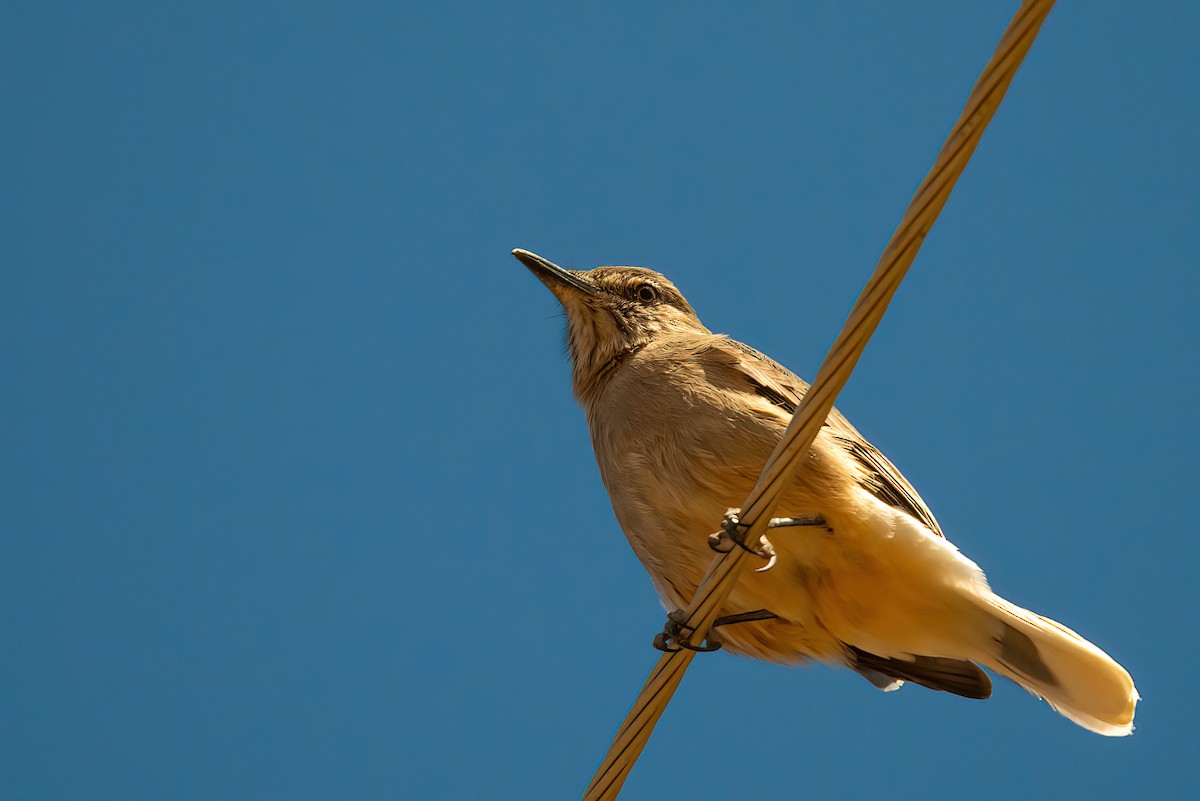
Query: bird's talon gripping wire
(733, 532)
(676, 632)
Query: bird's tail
(1054, 663)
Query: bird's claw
(676, 632)
(733, 532)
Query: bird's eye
(647, 293)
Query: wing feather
(768, 379)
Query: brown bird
(683, 420)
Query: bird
(682, 421)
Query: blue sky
(295, 502)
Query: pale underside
(681, 432)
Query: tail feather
(956, 676)
(1054, 663)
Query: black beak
(550, 274)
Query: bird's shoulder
(746, 369)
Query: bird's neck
(591, 379)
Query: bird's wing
(884, 481)
(771, 380)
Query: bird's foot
(733, 533)
(676, 634)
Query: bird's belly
(878, 580)
(668, 528)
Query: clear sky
(295, 502)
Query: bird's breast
(674, 456)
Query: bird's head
(611, 313)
